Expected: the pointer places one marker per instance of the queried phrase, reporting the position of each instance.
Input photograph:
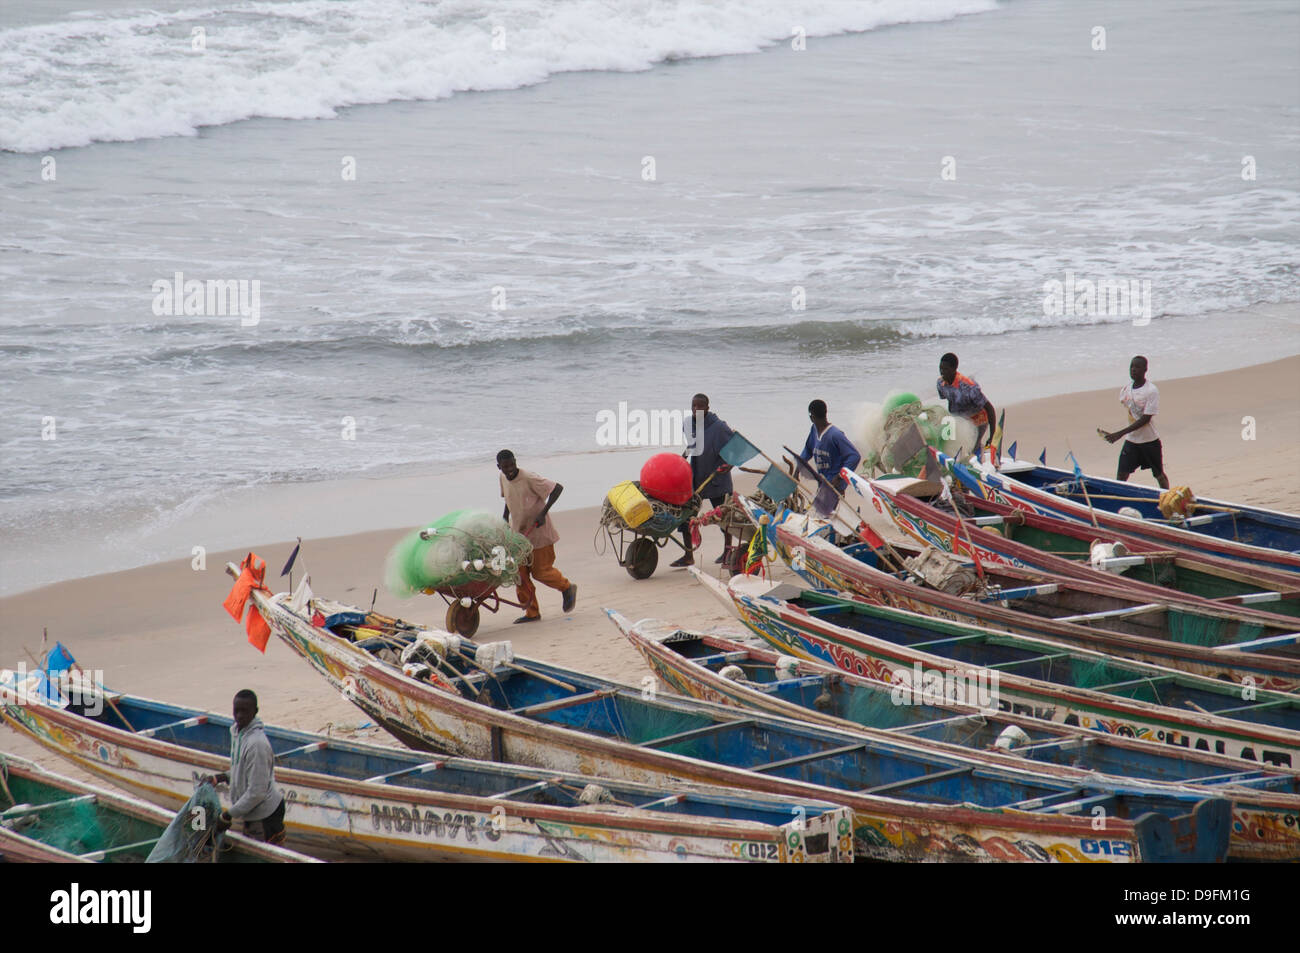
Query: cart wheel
(642, 558)
(462, 620)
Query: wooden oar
(520, 668)
(1145, 499)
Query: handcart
(464, 602)
(638, 547)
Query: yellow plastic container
(630, 503)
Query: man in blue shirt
(829, 450)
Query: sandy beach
(160, 631)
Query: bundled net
(185, 841)
(463, 547)
(889, 435)
(664, 520)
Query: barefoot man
(529, 499)
(1142, 450)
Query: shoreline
(160, 630)
(1193, 456)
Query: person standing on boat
(529, 499)
(254, 798)
(829, 450)
(1142, 449)
(965, 399)
(703, 451)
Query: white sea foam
(126, 76)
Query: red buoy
(667, 477)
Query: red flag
(869, 536)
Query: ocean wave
(119, 77)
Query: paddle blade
(738, 451)
(776, 484)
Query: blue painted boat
(1257, 537)
(1048, 679)
(374, 802)
(1244, 646)
(1266, 800)
(1061, 547)
(909, 801)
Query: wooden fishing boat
(1027, 540)
(1050, 680)
(1198, 574)
(375, 802)
(909, 802)
(1241, 533)
(1243, 647)
(1266, 801)
(47, 818)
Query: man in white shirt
(1142, 450)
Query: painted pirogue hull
(1177, 570)
(1266, 824)
(141, 823)
(828, 566)
(794, 631)
(886, 828)
(929, 526)
(1243, 534)
(336, 817)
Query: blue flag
(1078, 474)
(58, 659)
(738, 451)
(1012, 451)
(1042, 457)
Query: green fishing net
(70, 822)
(1192, 629)
(887, 432)
(463, 547)
(192, 831)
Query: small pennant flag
(1078, 473)
(776, 484)
(738, 451)
(869, 536)
(292, 556)
(1012, 451)
(1042, 457)
(932, 471)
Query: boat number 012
(1113, 848)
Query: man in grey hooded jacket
(254, 798)
(704, 451)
